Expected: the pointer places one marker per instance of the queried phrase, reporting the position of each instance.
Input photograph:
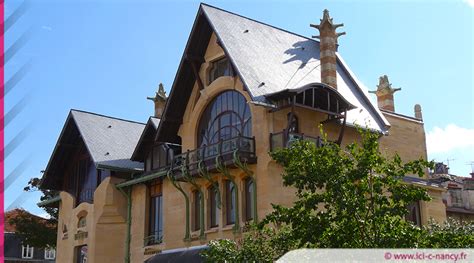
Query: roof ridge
(106, 116)
(260, 22)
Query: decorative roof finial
(385, 93)
(326, 24)
(159, 100)
(161, 93)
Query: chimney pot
(159, 100)
(328, 48)
(418, 113)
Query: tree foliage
(352, 197)
(33, 230)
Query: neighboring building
(16, 251)
(459, 199)
(243, 88)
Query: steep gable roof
(268, 60)
(146, 139)
(109, 141)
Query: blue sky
(107, 57)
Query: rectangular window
(197, 211)
(230, 196)
(214, 210)
(249, 199)
(27, 251)
(50, 253)
(414, 214)
(156, 212)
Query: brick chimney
(159, 100)
(327, 48)
(418, 113)
(384, 94)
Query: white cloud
(452, 137)
(469, 2)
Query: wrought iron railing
(245, 146)
(154, 238)
(285, 139)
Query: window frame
(214, 68)
(213, 207)
(197, 210)
(155, 194)
(47, 253)
(28, 250)
(249, 195)
(230, 201)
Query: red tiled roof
(13, 214)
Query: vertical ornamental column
(328, 48)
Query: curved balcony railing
(285, 139)
(244, 146)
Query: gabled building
(459, 197)
(15, 250)
(243, 88)
(92, 155)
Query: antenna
(447, 161)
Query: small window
(220, 68)
(249, 199)
(156, 212)
(214, 209)
(27, 251)
(414, 214)
(82, 222)
(50, 253)
(230, 195)
(197, 210)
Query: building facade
(459, 197)
(243, 89)
(17, 251)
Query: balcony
(285, 139)
(240, 147)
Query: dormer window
(219, 68)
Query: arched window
(249, 198)
(226, 117)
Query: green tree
(352, 197)
(35, 231)
(355, 196)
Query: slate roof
(269, 59)
(110, 141)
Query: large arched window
(227, 116)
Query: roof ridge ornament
(159, 100)
(385, 93)
(327, 24)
